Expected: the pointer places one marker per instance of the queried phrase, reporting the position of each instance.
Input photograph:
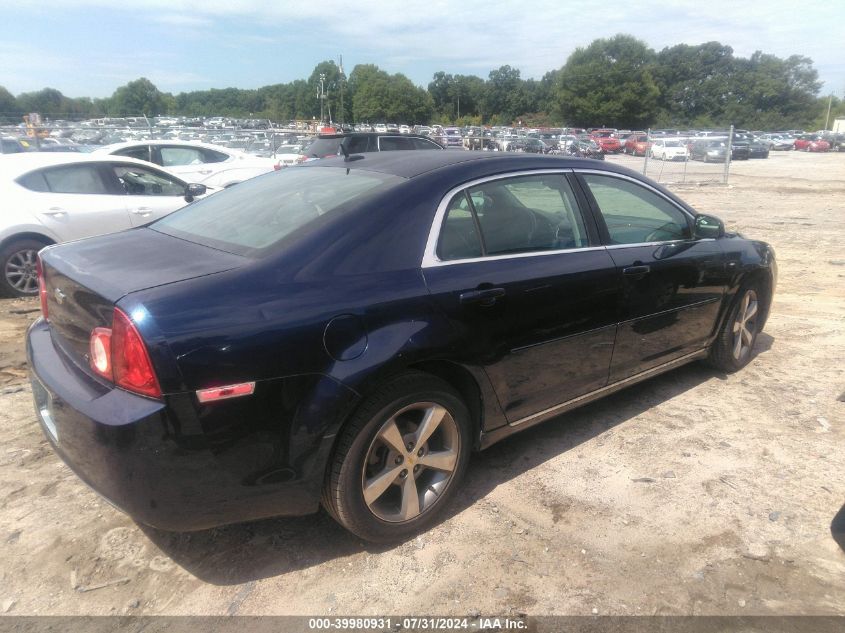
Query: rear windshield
(253, 217)
(323, 147)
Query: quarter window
(141, 152)
(459, 235)
(634, 214)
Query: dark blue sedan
(345, 333)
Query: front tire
(400, 459)
(17, 261)
(733, 347)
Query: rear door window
(515, 215)
(76, 179)
(172, 156)
(389, 143)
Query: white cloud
(477, 35)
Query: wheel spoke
(391, 436)
(440, 460)
(375, 487)
(750, 311)
(746, 335)
(14, 266)
(433, 417)
(410, 499)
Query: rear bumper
(177, 465)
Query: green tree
(378, 96)
(48, 102)
(136, 98)
(9, 110)
(609, 83)
(696, 83)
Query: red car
(636, 144)
(609, 144)
(810, 143)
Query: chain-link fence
(678, 158)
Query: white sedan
(211, 165)
(56, 197)
(669, 149)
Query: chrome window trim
(430, 258)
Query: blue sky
(90, 47)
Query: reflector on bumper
(223, 393)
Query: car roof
(108, 149)
(413, 163)
(368, 134)
(14, 165)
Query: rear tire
(400, 459)
(17, 262)
(733, 348)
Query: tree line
(616, 82)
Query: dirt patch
(694, 493)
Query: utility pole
(322, 96)
(341, 78)
(827, 118)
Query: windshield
(257, 214)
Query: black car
(584, 148)
(329, 145)
(347, 332)
(528, 145)
(708, 150)
(836, 140)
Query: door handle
(142, 211)
(205, 171)
(484, 297)
(56, 212)
(637, 272)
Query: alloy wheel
(410, 462)
(21, 273)
(745, 325)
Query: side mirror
(194, 190)
(708, 227)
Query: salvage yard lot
(692, 493)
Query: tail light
(277, 166)
(119, 355)
(42, 286)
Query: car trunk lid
(85, 279)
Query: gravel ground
(692, 493)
